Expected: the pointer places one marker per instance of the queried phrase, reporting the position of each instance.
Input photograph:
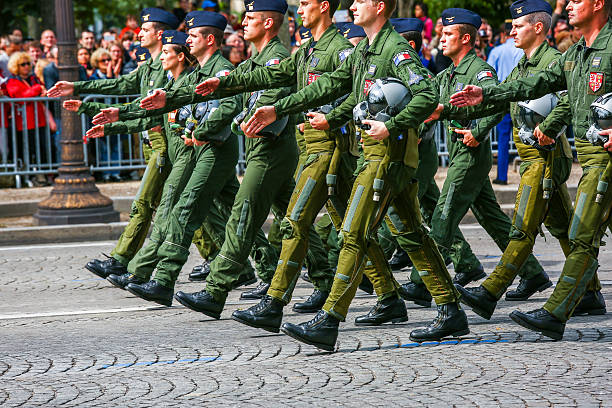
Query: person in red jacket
(23, 84)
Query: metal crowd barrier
(37, 151)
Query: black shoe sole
(311, 310)
(257, 326)
(393, 321)
(458, 333)
(592, 312)
(251, 297)
(93, 270)
(163, 302)
(321, 346)
(196, 309)
(245, 283)
(197, 279)
(466, 300)
(540, 288)
(117, 285)
(472, 279)
(521, 322)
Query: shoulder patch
(414, 78)
(401, 57)
(273, 61)
(342, 55)
(482, 75)
(222, 73)
(552, 64)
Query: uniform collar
(156, 63)
(208, 66)
(536, 56)
(465, 63)
(328, 35)
(378, 44)
(602, 40)
(262, 57)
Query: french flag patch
(222, 73)
(402, 56)
(273, 61)
(484, 75)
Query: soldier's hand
(608, 144)
(243, 127)
(72, 105)
(301, 127)
(61, 88)
(261, 118)
(471, 95)
(106, 115)
(377, 131)
(155, 101)
(318, 121)
(436, 114)
(543, 140)
(197, 142)
(188, 140)
(468, 139)
(207, 87)
(94, 132)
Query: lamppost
(74, 199)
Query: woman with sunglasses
(24, 84)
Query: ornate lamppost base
(75, 199)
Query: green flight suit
(531, 209)
(467, 184)
(585, 72)
(311, 192)
(388, 168)
(149, 75)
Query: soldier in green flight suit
(329, 164)
(271, 162)
(384, 179)
(542, 172)
(467, 184)
(460, 253)
(148, 76)
(210, 177)
(584, 70)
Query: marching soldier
(583, 70)
(149, 76)
(384, 178)
(531, 22)
(467, 184)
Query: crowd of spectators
(28, 67)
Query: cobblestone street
(69, 338)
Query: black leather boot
(416, 293)
(256, 293)
(152, 291)
(199, 273)
(450, 322)
(392, 309)
(540, 321)
(202, 302)
(400, 260)
(104, 268)
(479, 300)
(121, 281)
(306, 277)
(321, 331)
(313, 304)
(366, 285)
(463, 278)
(592, 303)
(527, 287)
(245, 279)
(267, 314)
